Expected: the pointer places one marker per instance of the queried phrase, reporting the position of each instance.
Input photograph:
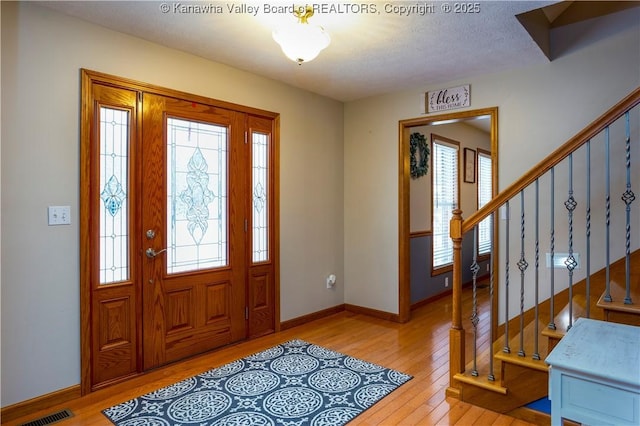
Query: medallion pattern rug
(295, 383)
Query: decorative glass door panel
(108, 195)
(114, 182)
(193, 212)
(260, 185)
(262, 272)
(197, 157)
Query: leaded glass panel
(114, 184)
(196, 195)
(260, 196)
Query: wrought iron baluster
(491, 376)
(588, 218)
(607, 291)
(536, 354)
(628, 197)
(474, 316)
(506, 348)
(522, 265)
(570, 262)
(552, 324)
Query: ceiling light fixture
(302, 42)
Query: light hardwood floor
(419, 347)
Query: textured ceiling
(376, 48)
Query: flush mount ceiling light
(302, 42)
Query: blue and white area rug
(292, 384)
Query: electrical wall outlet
(331, 281)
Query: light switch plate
(59, 215)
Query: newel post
(456, 333)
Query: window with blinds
(445, 199)
(484, 196)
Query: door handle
(151, 253)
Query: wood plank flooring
(419, 347)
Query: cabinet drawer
(598, 401)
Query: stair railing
(524, 194)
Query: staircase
(575, 210)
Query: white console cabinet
(595, 374)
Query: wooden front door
(178, 225)
(193, 211)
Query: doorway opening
(416, 195)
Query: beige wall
(42, 53)
(540, 107)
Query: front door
(178, 223)
(193, 210)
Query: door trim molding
(121, 82)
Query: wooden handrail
(553, 159)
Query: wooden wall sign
(446, 99)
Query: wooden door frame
(404, 281)
(88, 79)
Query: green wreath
(418, 143)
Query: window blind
(484, 196)
(445, 200)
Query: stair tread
(524, 361)
(617, 285)
(563, 319)
(618, 304)
(553, 334)
(481, 381)
(528, 332)
(618, 293)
